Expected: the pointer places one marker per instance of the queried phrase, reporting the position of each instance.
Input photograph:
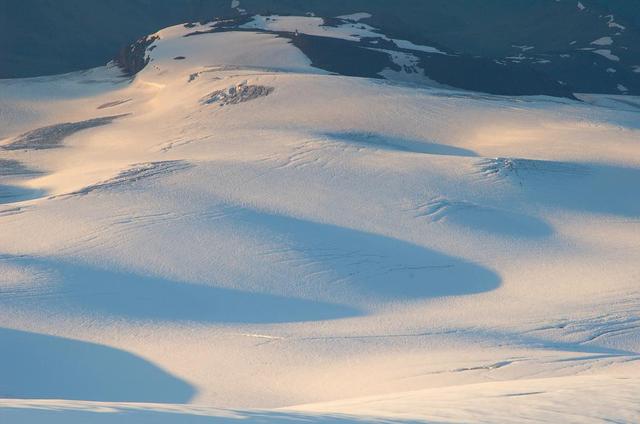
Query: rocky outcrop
(134, 58)
(237, 94)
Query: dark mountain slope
(549, 37)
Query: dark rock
(133, 59)
(237, 94)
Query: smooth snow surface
(312, 248)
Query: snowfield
(239, 236)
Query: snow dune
(334, 249)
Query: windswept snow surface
(339, 250)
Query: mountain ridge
(548, 37)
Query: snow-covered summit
(237, 232)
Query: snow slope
(247, 237)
